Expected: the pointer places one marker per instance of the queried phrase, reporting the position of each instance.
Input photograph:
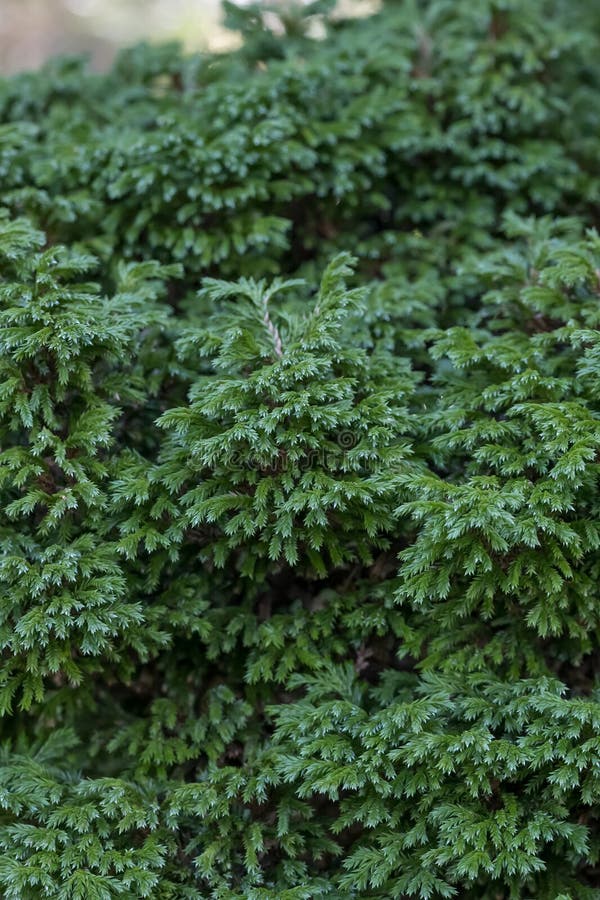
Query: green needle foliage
(299, 458)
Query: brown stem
(273, 330)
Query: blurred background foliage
(31, 31)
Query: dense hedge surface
(299, 455)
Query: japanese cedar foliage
(299, 442)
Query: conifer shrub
(299, 456)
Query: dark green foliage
(292, 450)
(299, 457)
